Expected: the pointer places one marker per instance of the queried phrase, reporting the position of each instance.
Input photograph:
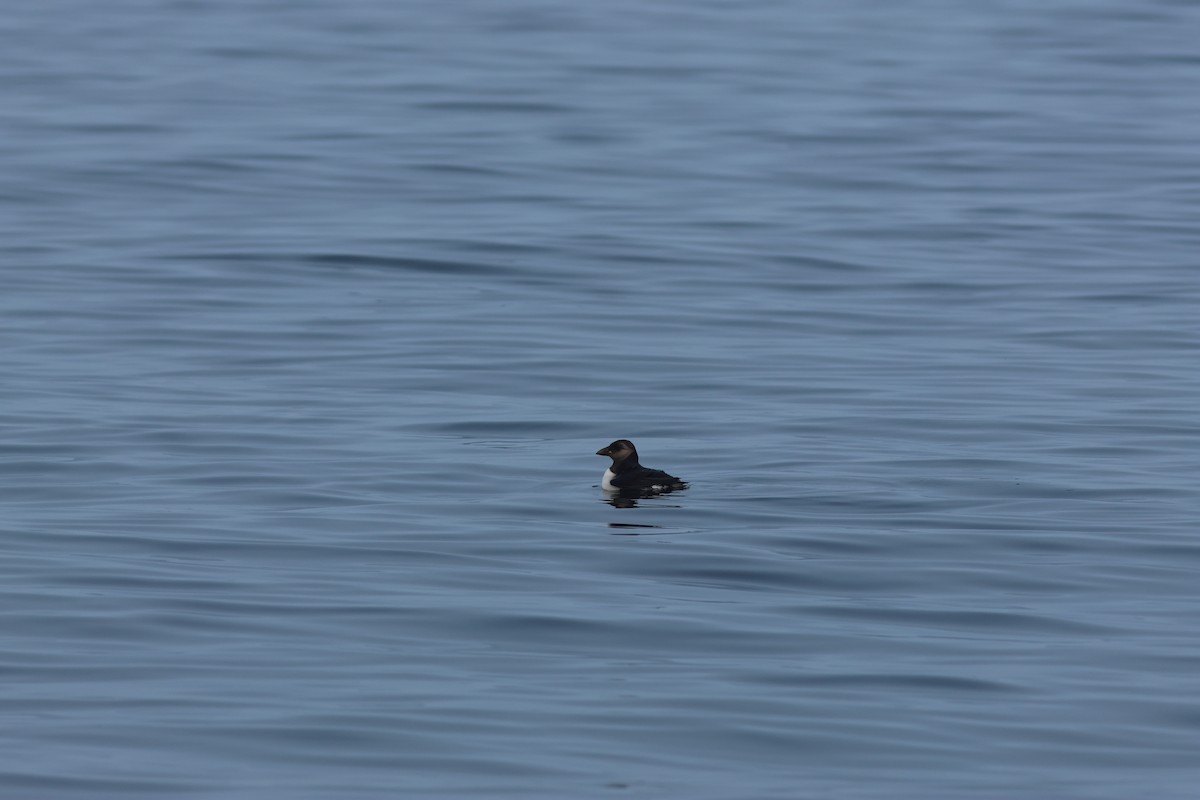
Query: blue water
(313, 316)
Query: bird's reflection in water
(625, 526)
(629, 498)
(617, 501)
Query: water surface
(313, 318)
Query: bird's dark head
(618, 451)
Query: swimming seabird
(626, 473)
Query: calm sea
(312, 316)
